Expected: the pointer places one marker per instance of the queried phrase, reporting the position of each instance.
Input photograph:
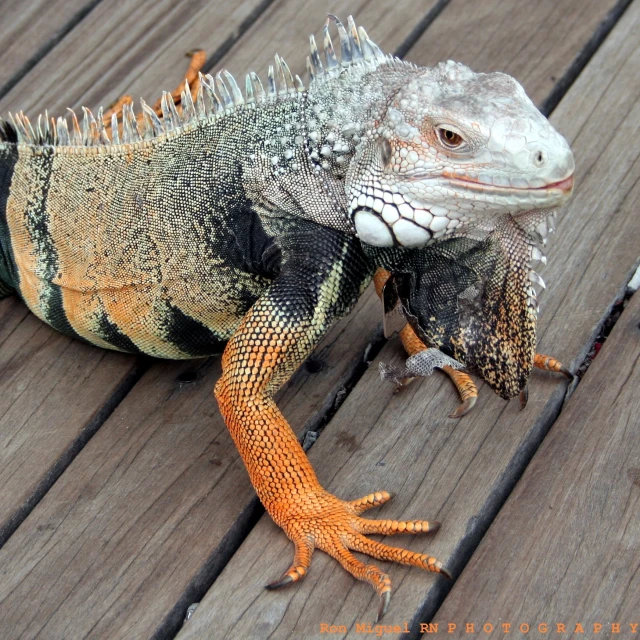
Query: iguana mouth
(565, 186)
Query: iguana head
(450, 146)
(428, 149)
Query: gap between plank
(172, 624)
(582, 59)
(67, 457)
(520, 462)
(143, 363)
(46, 48)
(421, 27)
(547, 418)
(227, 45)
(254, 510)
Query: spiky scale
(236, 94)
(345, 44)
(86, 136)
(152, 118)
(201, 108)
(129, 125)
(39, 127)
(167, 115)
(371, 50)
(248, 90)
(175, 116)
(209, 86)
(102, 134)
(356, 47)
(76, 136)
(271, 82)
(115, 137)
(282, 80)
(315, 57)
(221, 88)
(257, 87)
(329, 53)
(188, 108)
(63, 132)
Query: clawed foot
(322, 521)
(467, 389)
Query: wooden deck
(123, 498)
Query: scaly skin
(463, 382)
(258, 219)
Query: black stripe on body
(190, 335)
(37, 223)
(8, 268)
(110, 333)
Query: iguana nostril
(539, 158)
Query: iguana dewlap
(239, 220)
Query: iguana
(244, 219)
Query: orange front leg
(412, 344)
(274, 338)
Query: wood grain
(29, 30)
(459, 473)
(565, 548)
(53, 395)
(128, 47)
(158, 499)
(56, 391)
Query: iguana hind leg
(274, 338)
(198, 58)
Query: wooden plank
(537, 47)
(46, 419)
(137, 48)
(459, 473)
(54, 393)
(29, 30)
(158, 546)
(37, 368)
(565, 548)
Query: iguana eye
(449, 138)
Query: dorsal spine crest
(215, 98)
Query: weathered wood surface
(133, 594)
(459, 473)
(127, 47)
(154, 505)
(566, 546)
(54, 393)
(28, 31)
(57, 391)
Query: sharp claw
(404, 382)
(445, 573)
(434, 525)
(524, 398)
(283, 582)
(464, 408)
(564, 371)
(385, 598)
